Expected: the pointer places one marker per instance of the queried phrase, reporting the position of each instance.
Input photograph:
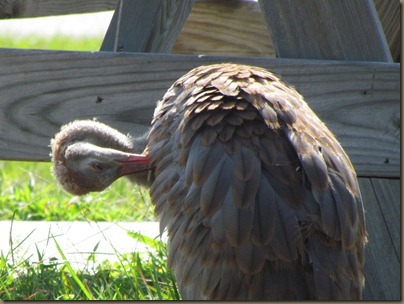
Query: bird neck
(139, 143)
(143, 178)
(97, 134)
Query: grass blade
(73, 273)
(153, 243)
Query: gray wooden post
(148, 26)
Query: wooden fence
(341, 55)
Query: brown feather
(211, 276)
(245, 192)
(237, 222)
(347, 212)
(245, 164)
(259, 199)
(251, 258)
(226, 133)
(217, 227)
(216, 187)
(192, 199)
(263, 230)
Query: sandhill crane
(259, 199)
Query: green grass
(29, 192)
(56, 42)
(134, 276)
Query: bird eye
(96, 167)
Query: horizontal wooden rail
(40, 90)
(41, 8)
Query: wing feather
(216, 186)
(226, 133)
(286, 282)
(263, 230)
(208, 136)
(198, 240)
(256, 286)
(237, 222)
(217, 227)
(229, 276)
(192, 199)
(201, 161)
(192, 268)
(288, 238)
(175, 241)
(347, 212)
(244, 192)
(245, 164)
(330, 271)
(292, 193)
(311, 159)
(212, 275)
(330, 222)
(251, 258)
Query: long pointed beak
(134, 163)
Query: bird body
(259, 199)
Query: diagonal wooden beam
(148, 26)
(390, 14)
(326, 29)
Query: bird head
(84, 162)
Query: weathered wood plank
(230, 28)
(387, 192)
(225, 28)
(389, 13)
(43, 89)
(382, 269)
(326, 29)
(146, 26)
(41, 8)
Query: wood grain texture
(43, 89)
(390, 17)
(225, 28)
(382, 268)
(146, 26)
(388, 195)
(326, 29)
(41, 8)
